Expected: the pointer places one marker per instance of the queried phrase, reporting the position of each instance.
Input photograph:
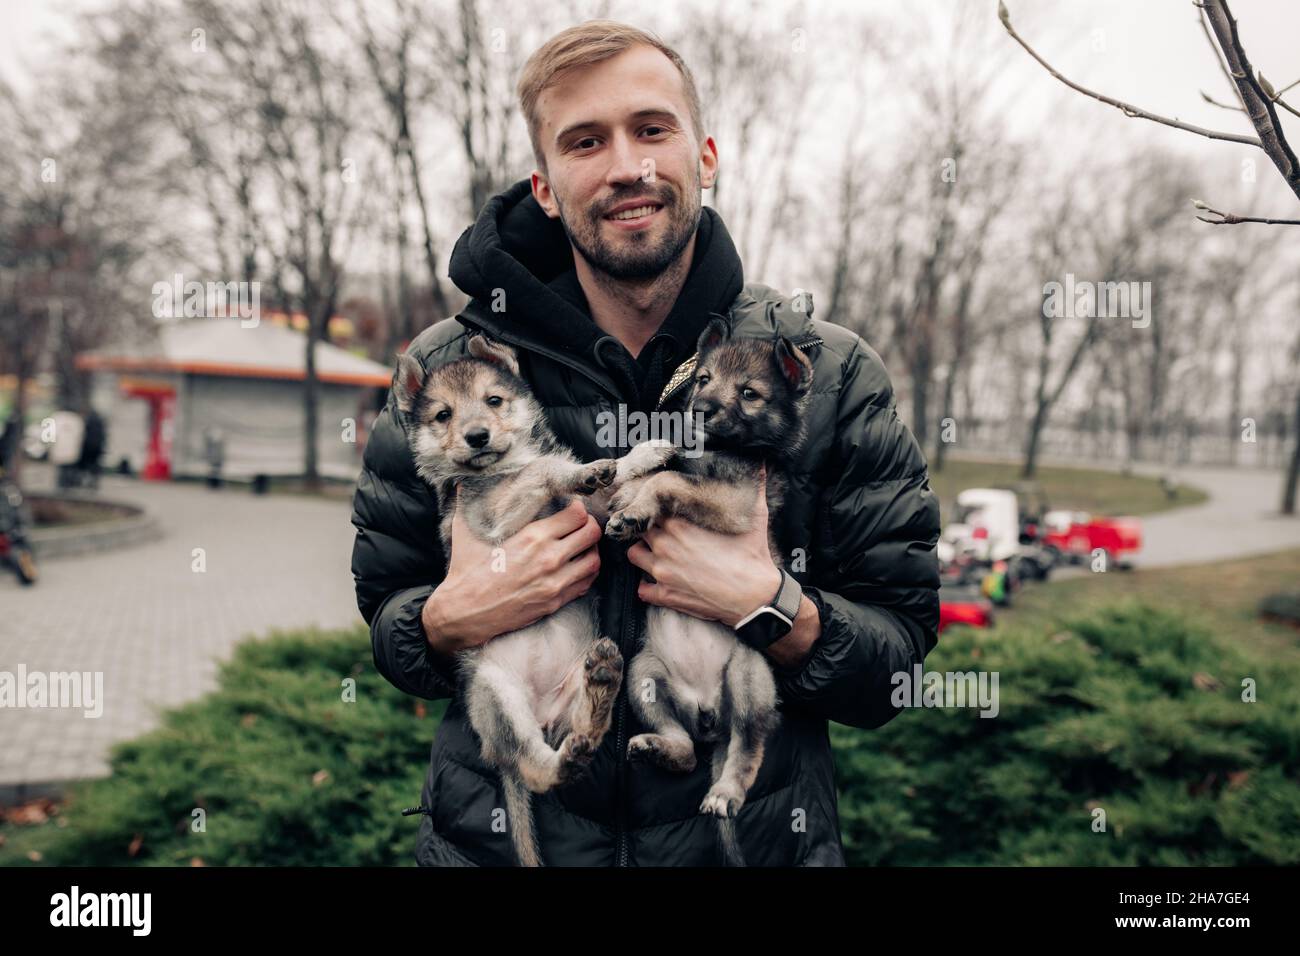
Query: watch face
(767, 627)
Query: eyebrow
(639, 114)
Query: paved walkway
(156, 627)
(1240, 519)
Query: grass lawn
(1222, 597)
(1079, 489)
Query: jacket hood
(515, 249)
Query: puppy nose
(477, 437)
(708, 719)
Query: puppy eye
(749, 393)
(494, 400)
(702, 378)
(442, 416)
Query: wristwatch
(773, 621)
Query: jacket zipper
(620, 777)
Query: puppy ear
(498, 353)
(407, 382)
(795, 367)
(715, 332)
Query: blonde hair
(583, 45)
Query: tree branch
(1259, 106)
(1230, 219)
(1126, 108)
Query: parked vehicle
(15, 549)
(1078, 536)
(984, 545)
(964, 605)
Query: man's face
(624, 171)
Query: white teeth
(634, 213)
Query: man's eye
(749, 393)
(654, 130)
(442, 416)
(586, 139)
(494, 400)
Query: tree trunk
(1293, 471)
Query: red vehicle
(1079, 535)
(964, 605)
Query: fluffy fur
(539, 698)
(693, 680)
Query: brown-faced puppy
(539, 698)
(693, 680)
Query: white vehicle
(985, 526)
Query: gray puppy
(539, 698)
(693, 680)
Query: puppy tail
(519, 814)
(728, 845)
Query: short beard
(645, 260)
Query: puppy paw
(575, 754)
(658, 750)
(626, 524)
(723, 800)
(597, 475)
(604, 664)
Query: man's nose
(477, 437)
(624, 160)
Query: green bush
(286, 771)
(1131, 710)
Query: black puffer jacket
(860, 527)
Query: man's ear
(708, 163)
(544, 196)
(715, 332)
(407, 382)
(795, 367)
(498, 353)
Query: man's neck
(632, 310)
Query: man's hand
(539, 570)
(720, 577)
(717, 577)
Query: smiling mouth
(635, 215)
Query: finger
(642, 557)
(578, 541)
(564, 521)
(580, 569)
(652, 593)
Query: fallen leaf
(248, 720)
(319, 777)
(34, 856)
(195, 861)
(420, 710)
(1204, 681)
(136, 842)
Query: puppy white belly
(694, 652)
(547, 656)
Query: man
(602, 270)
